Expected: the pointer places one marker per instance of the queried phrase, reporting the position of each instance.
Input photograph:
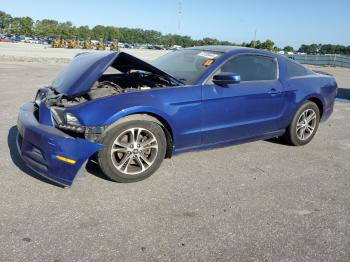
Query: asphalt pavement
(260, 201)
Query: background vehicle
(87, 44)
(100, 46)
(73, 43)
(114, 46)
(189, 99)
(4, 38)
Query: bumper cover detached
(50, 152)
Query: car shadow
(277, 140)
(94, 169)
(344, 93)
(17, 159)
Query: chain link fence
(322, 60)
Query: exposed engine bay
(92, 76)
(112, 84)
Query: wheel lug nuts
(138, 145)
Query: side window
(252, 67)
(294, 69)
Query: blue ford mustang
(129, 115)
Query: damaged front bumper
(49, 151)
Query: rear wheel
(133, 151)
(304, 124)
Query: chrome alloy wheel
(134, 151)
(306, 124)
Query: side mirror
(226, 78)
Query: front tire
(133, 151)
(304, 124)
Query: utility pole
(254, 43)
(179, 14)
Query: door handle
(274, 92)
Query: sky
(292, 22)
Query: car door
(246, 109)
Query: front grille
(36, 111)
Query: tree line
(53, 29)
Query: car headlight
(40, 95)
(66, 121)
(71, 123)
(71, 120)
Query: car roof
(219, 48)
(227, 49)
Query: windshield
(187, 65)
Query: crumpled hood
(86, 68)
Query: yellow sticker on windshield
(208, 62)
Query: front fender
(138, 110)
(105, 111)
(179, 107)
(144, 110)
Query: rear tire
(133, 151)
(304, 124)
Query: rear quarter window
(294, 69)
